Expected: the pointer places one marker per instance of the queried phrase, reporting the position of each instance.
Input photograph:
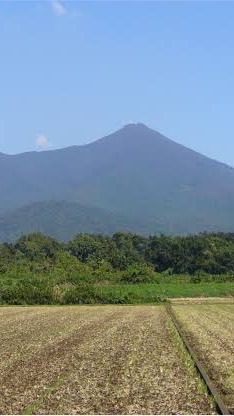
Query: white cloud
(42, 141)
(58, 8)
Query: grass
(189, 363)
(150, 293)
(111, 294)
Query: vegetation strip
(221, 407)
(121, 269)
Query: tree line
(90, 268)
(206, 253)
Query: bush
(139, 273)
(81, 294)
(26, 294)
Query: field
(96, 360)
(147, 293)
(17, 292)
(23, 293)
(210, 331)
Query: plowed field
(210, 331)
(95, 360)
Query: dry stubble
(94, 360)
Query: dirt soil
(94, 360)
(215, 300)
(210, 331)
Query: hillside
(62, 220)
(135, 172)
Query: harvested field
(209, 300)
(95, 360)
(210, 331)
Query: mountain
(134, 173)
(62, 220)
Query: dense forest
(40, 269)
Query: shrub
(139, 273)
(82, 294)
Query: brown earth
(94, 360)
(210, 331)
(214, 300)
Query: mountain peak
(135, 172)
(133, 124)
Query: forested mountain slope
(62, 220)
(135, 172)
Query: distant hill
(62, 220)
(133, 173)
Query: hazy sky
(71, 72)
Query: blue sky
(71, 72)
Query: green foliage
(37, 246)
(211, 253)
(90, 268)
(79, 294)
(26, 294)
(139, 273)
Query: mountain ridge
(62, 220)
(134, 172)
(134, 125)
